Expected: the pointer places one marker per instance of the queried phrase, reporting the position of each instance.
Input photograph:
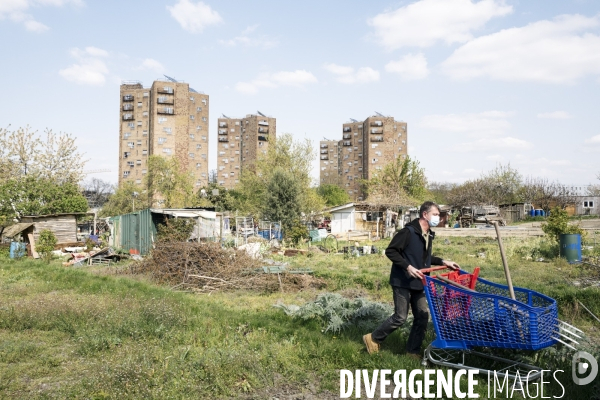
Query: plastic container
(570, 247)
(17, 250)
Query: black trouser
(418, 305)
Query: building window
(145, 94)
(374, 215)
(192, 136)
(139, 123)
(204, 138)
(203, 155)
(125, 174)
(198, 109)
(589, 204)
(144, 152)
(126, 135)
(162, 140)
(144, 171)
(204, 119)
(167, 150)
(192, 117)
(144, 133)
(139, 103)
(204, 101)
(167, 130)
(191, 155)
(198, 128)
(191, 98)
(198, 165)
(198, 146)
(139, 142)
(162, 119)
(131, 145)
(131, 125)
(130, 163)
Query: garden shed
(64, 227)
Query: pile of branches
(207, 267)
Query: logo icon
(590, 365)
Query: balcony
(323, 151)
(347, 129)
(127, 107)
(264, 123)
(325, 157)
(377, 123)
(377, 131)
(222, 124)
(224, 139)
(128, 97)
(166, 89)
(347, 136)
(324, 146)
(376, 138)
(222, 131)
(263, 130)
(347, 143)
(127, 117)
(263, 138)
(165, 100)
(165, 110)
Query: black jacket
(408, 248)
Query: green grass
(87, 333)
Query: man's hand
(415, 273)
(451, 264)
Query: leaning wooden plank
(32, 245)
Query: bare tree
(97, 192)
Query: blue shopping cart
(469, 312)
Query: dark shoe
(372, 346)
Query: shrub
(558, 223)
(297, 232)
(175, 229)
(45, 244)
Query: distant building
(366, 147)
(169, 119)
(240, 142)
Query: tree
(39, 196)
(333, 195)
(282, 198)
(215, 195)
(124, 200)
(168, 184)
(543, 193)
(97, 192)
(440, 191)
(402, 182)
(502, 185)
(54, 157)
(293, 157)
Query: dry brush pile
(207, 267)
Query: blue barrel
(570, 247)
(532, 212)
(542, 213)
(17, 250)
(537, 213)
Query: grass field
(91, 333)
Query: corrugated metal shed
(134, 231)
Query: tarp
(16, 229)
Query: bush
(175, 229)
(45, 244)
(297, 232)
(558, 223)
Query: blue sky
(478, 82)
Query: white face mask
(434, 221)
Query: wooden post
(504, 262)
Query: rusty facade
(366, 147)
(168, 119)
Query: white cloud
(410, 67)
(554, 115)
(488, 123)
(194, 17)
(425, 22)
(593, 140)
(558, 51)
(16, 10)
(348, 75)
(495, 143)
(246, 39)
(298, 78)
(90, 68)
(152, 65)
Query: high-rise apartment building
(169, 119)
(366, 147)
(240, 142)
(329, 161)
